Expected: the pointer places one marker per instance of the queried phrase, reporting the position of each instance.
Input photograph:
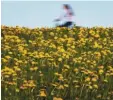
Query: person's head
(66, 6)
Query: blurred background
(42, 13)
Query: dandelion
(66, 85)
(95, 86)
(17, 68)
(4, 60)
(87, 79)
(65, 36)
(106, 81)
(73, 47)
(56, 98)
(76, 70)
(60, 59)
(94, 79)
(101, 71)
(10, 53)
(100, 67)
(96, 36)
(77, 86)
(62, 50)
(51, 33)
(61, 78)
(96, 45)
(56, 74)
(7, 57)
(90, 87)
(17, 90)
(42, 93)
(55, 38)
(60, 87)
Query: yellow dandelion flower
(60, 78)
(62, 50)
(75, 81)
(17, 90)
(96, 45)
(31, 69)
(66, 85)
(76, 70)
(59, 59)
(95, 86)
(67, 66)
(67, 56)
(73, 47)
(42, 93)
(106, 81)
(33, 62)
(25, 52)
(61, 87)
(7, 57)
(94, 79)
(56, 98)
(17, 68)
(87, 79)
(90, 87)
(51, 33)
(101, 71)
(77, 86)
(100, 67)
(57, 74)
(6, 76)
(65, 36)
(4, 60)
(10, 52)
(35, 68)
(55, 37)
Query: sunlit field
(56, 63)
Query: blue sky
(42, 13)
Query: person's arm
(60, 17)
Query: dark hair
(67, 6)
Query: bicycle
(71, 26)
(57, 24)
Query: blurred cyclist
(68, 16)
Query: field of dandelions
(56, 63)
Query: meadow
(56, 63)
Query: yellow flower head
(94, 79)
(95, 86)
(59, 59)
(101, 71)
(56, 98)
(87, 79)
(42, 93)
